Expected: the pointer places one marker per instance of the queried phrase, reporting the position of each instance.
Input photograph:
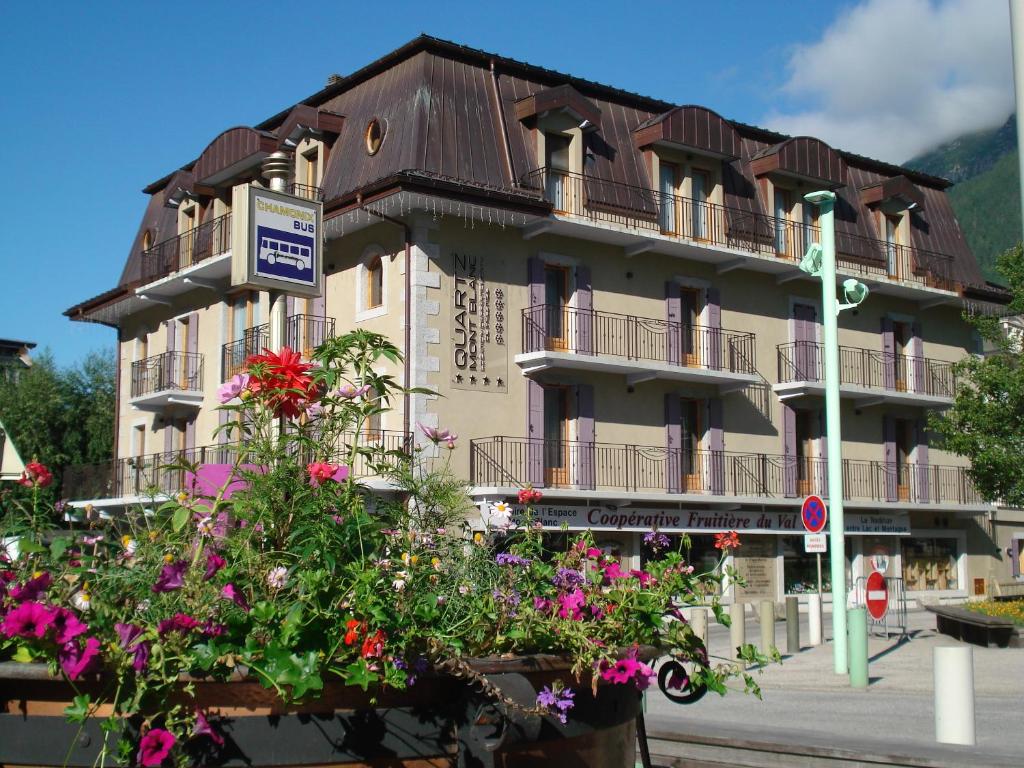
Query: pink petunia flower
(32, 589)
(67, 626)
(214, 563)
(232, 593)
(29, 619)
(202, 727)
(571, 605)
(154, 747)
(76, 660)
(179, 622)
(233, 387)
(172, 576)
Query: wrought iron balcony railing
(704, 222)
(586, 332)
(164, 473)
(869, 368)
(516, 462)
(303, 333)
(307, 191)
(180, 371)
(209, 239)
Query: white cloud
(892, 78)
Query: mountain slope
(986, 193)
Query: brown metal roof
(234, 147)
(561, 97)
(896, 188)
(803, 157)
(693, 127)
(304, 120)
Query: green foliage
(986, 422)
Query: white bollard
(814, 618)
(954, 694)
(699, 623)
(737, 628)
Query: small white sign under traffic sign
(815, 543)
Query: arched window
(147, 239)
(374, 283)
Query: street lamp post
(820, 261)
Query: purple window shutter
(534, 433)
(716, 446)
(788, 451)
(820, 476)
(1015, 558)
(172, 327)
(191, 365)
(584, 458)
(673, 444)
(714, 305)
(535, 330)
(584, 312)
(921, 459)
(888, 354)
(190, 433)
(918, 381)
(674, 317)
(889, 441)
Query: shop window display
(930, 563)
(800, 570)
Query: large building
(603, 289)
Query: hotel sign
(612, 517)
(276, 241)
(479, 328)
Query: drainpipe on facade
(407, 352)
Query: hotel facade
(603, 290)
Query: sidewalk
(804, 701)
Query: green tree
(986, 422)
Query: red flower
(354, 627)
(35, 475)
(283, 379)
(322, 471)
(373, 646)
(730, 540)
(530, 496)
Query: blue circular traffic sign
(814, 514)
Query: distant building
(14, 358)
(604, 288)
(11, 465)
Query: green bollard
(858, 646)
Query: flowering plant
(292, 572)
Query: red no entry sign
(878, 596)
(813, 514)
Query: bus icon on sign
(284, 254)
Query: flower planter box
(440, 721)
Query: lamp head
(855, 291)
(820, 196)
(811, 262)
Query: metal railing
(869, 368)
(209, 239)
(586, 332)
(701, 221)
(303, 334)
(182, 371)
(307, 191)
(163, 473)
(513, 461)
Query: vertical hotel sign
(276, 241)
(479, 357)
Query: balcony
(168, 379)
(866, 376)
(501, 465)
(162, 474)
(200, 257)
(306, 191)
(641, 348)
(640, 219)
(303, 333)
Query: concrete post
(857, 622)
(792, 624)
(954, 694)
(737, 627)
(767, 626)
(699, 623)
(814, 619)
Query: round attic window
(375, 135)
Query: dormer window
(557, 183)
(308, 169)
(689, 187)
(892, 201)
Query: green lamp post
(820, 261)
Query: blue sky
(103, 98)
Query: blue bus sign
(278, 243)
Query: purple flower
(67, 627)
(233, 387)
(232, 593)
(76, 660)
(436, 435)
(32, 589)
(203, 728)
(656, 540)
(129, 635)
(179, 622)
(506, 558)
(172, 576)
(351, 392)
(29, 619)
(214, 563)
(567, 578)
(154, 747)
(559, 700)
(542, 605)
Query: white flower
(401, 578)
(277, 577)
(463, 589)
(129, 544)
(81, 600)
(205, 526)
(143, 605)
(499, 515)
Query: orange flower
(373, 646)
(730, 540)
(354, 626)
(283, 379)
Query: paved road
(805, 700)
